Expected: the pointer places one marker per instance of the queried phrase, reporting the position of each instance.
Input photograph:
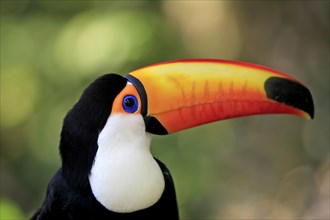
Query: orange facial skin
(117, 106)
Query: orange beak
(181, 94)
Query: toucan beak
(177, 95)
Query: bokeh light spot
(19, 92)
(93, 41)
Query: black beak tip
(291, 93)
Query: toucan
(107, 169)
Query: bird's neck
(125, 177)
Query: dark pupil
(129, 102)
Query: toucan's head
(166, 98)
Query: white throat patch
(125, 177)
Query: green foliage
(10, 210)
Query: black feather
(81, 127)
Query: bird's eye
(130, 104)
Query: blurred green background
(274, 166)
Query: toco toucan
(107, 169)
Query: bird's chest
(126, 179)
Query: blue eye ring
(130, 104)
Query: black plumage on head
(81, 127)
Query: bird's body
(63, 202)
(108, 171)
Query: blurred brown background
(273, 166)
